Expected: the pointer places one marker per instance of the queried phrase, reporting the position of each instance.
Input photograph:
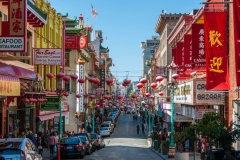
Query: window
(67, 58)
(4, 17)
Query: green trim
(67, 50)
(38, 12)
(85, 58)
(102, 48)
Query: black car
(89, 138)
(72, 146)
(87, 144)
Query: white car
(105, 131)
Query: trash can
(155, 144)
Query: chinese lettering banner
(187, 52)
(216, 50)
(198, 52)
(180, 58)
(71, 42)
(236, 18)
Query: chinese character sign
(198, 47)
(216, 50)
(179, 60)
(17, 17)
(188, 52)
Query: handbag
(55, 149)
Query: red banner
(187, 52)
(198, 51)
(180, 58)
(236, 19)
(71, 42)
(83, 42)
(215, 26)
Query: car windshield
(105, 125)
(9, 144)
(83, 139)
(93, 136)
(71, 141)
(105, 128)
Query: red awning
(51, 116)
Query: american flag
(94, 12)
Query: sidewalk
(165, 157)
(46, 155)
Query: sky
(125, 24)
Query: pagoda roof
(104, 49)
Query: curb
(157, 153)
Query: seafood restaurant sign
(47, 56)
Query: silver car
(18, 149)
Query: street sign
(51, 104)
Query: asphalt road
(124, 143)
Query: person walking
(143, 128)
(137, 128)
(51, 142)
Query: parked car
(112, 120)
(18, 148)
(89, 138)
(111, 129)
(72, 146)
(87, 144)
(105, 131)
(111, 124)
(96, 139)
(101, 141)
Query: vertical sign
(180, 58)
(215, 24)
(198, 51)
(188, 52)
(77, 88)
(102, 76)
(81, 88)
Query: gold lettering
(214, 38)
(216, 62)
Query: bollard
(58, 151)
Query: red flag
(198, 51)
(187, 52)
(215, 24)
(236, 19)
(180, 58)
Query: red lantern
(134, 96)
(154, 85)
(161, 93)
(110, 84)
(50, 75)
(147, 94)
(78, 96)
(109, 80)
(91, 79)
(105, 96)
(143, 80)
(66, 94)
(127, 81)
(81, 80)
(60, 75)
(26, 100)
(159, 78)
(175, 76)
(66, 78)
(146, 106)
(97, 81)
(74, 76)
(120, 97)
(139, 85)
(91, 96)
(98, 106)
(124, 84)
(106, 106)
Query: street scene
(124, 80)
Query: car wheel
(82, 154)
(89, 152)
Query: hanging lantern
(109, 80)
(147, 94)
(161, 93)
(175, 76)
(66, 78)
(105, 96)
(146, 106)
(154, 85)
(74, 76)
(97, 81)
(26, 100)
(91, 96)
(66, 94)
(98, 106)
(91, 79)
(139, 85)
(50, 75)
(120, 97)
(60, 75)
(124, 84)
(127, 81)
(134, 96)
(143, 80)
(110, 84)
(106, 106)
(81, 80)
(78, 95)
(159, 78)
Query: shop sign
(47, 56)
(201, 110)
(102, 78)
(184, 93)
(9, 86)
(14, 33)
(205, 97)
(64, 105)
(71, 42)
(51, 104)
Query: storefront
(48, 114)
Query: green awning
(42, 16)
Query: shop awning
(51, 116)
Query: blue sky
(125, 23)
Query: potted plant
(165, 147)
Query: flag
(94, 12)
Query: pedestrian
(202, 151)
(88, 128)
(40, 143)
(51, 142)
(22, 135)
(186, 144)
(180, 146)
(35, 139)
(137, 128)
(143, 127)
